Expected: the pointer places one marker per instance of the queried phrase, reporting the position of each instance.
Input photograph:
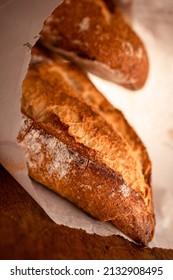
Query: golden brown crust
(67, 114)
(83, 179)
(95, 34)
(84, 90)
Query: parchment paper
(150, 110)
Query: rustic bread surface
(81, 147)
(95, 35)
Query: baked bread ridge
(82, 88)
(45, 93)
(76, 172)
(95, 35)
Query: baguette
(95, 35)
(81, 147)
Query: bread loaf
(95, 35)
(81, 147)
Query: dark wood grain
(26, 232)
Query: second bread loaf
(95, 35)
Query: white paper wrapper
(150, 110)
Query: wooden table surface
(26, 232)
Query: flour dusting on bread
(124, 190)
(84, 24)
(59, 157)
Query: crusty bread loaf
(95, 35)
(81, 147)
